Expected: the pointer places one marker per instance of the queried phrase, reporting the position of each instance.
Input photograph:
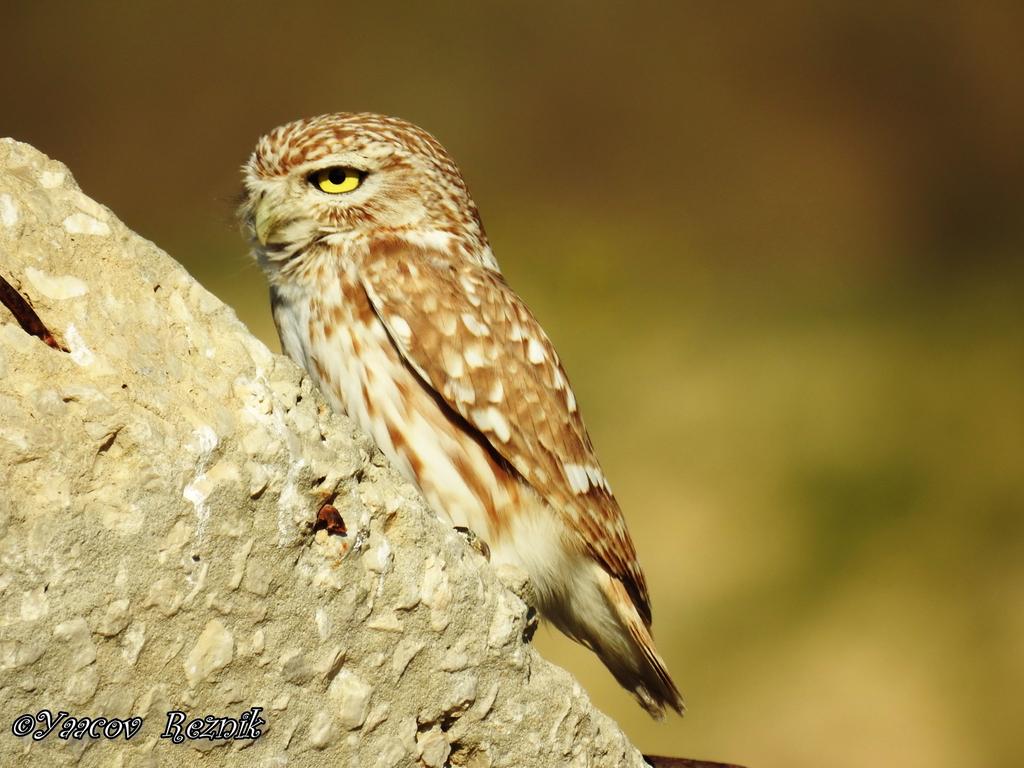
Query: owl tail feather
(636, 663)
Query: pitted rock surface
(161, 481)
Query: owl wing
(470, 338)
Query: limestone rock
(159, 485)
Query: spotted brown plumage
(387, 292)
(469, 336)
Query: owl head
(344, 180)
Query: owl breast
(337, 337)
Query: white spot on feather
(400, 328)
(460, 391)
(535, 352)
(474, 326)
(577, 477)
(597, 478)
(490, 419)
(433, 239)
(584, 477)
(453, 362)
(497, 393)
(474, 356)
(470, 286)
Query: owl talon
(474, 541)
(532, 622)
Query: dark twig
(684, 762)
(25, 315)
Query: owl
(384, 288)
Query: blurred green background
(779, 248)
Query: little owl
(385, 290)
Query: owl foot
(474, 541)
(532, 622)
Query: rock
(212, 652)
(161, 479)
(353, 699)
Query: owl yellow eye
(334, 181)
